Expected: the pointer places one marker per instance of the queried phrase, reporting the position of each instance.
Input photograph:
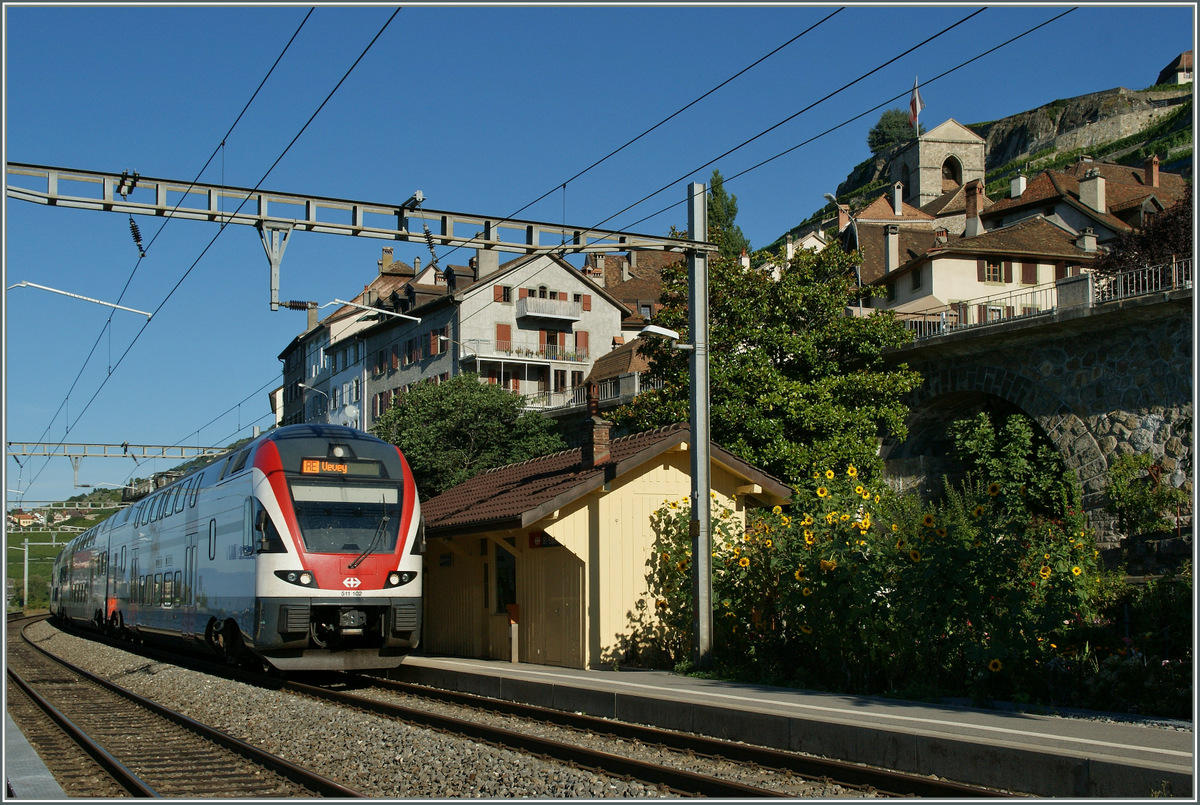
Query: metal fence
(1041, 300)
(1171, 276)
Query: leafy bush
(1140, 501)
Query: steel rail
(124, 776)
(883, 780)
(322, 785)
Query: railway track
(122, 744)
(671, 762)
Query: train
(299, 551)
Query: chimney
(596, 431)
(974, 199)
(892, 248)
(789, 248)
(843, 219)
(1018, 185)
(1087, 240)
(473, 264)
(1151, 166)
(488, 261)
(744, 259)
(897, 199)
(387, 259)
(1091, 191)
(416, 266)
(312, 315)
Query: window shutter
(1008, 312)
(497, 293)
(1029, 273)
(522, 293)
(542, 340)
(503, 337)
(396, 356)
(981, 311)
(581, 343)
(1008, 271)
(982, 268)
(587, 301)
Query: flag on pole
(915, 105)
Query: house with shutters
(534, 325)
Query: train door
(135, 589)
(187, 623)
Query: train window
(178, 588)
(181, 495)
(212, 540)
(122, 557)
(239, 462)
(168, 594)
(196, 488)
(157, 598)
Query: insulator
(295, 305)
(137, 236)
(429, 241)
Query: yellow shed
(561, 546)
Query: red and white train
(302, 548)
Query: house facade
(546, 561)
(534, 326)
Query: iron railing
(1043, 299)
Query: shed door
(563, 636)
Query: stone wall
(1099, 381)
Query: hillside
(1119, 124)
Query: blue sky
(483, 109)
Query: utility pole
(700, 526)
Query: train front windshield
(347, 518)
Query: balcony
(558, 309)
(480, 349)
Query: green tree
(1168, 236)
(451, 432)
(893, 127)
(722, 210)
(794, 382)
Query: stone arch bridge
(1098, 378)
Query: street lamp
(24, 283)
(328, 400)
(371, 310)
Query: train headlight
(398, 578)
(302, 578)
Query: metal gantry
(276, 215)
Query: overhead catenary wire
(662, 122)
(142, 251)
(875, 108)
(249, 195)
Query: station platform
(1024, 752)
(26, 776)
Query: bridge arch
(950, 393)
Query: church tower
(938, 162)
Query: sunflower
(807, 591)
(867, 496)
(744, 561)
(914, 555)
(858, 490)
(666, 557)
(993, 489)
(895, 528)
(822, 492)
(1045, 572)
(1076, 570)
(995, 665)
(786, 520)
(829, 474)
(767, 543)
(682, 565)
(806, 629)
(941, 532)
(777, 510)
(927, 521)
(828, 564)
(661, 604)
(978, 511)
(809, 539)
(799, 574)
(852, 471)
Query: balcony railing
(1044, 299)
(621, 389)
(549, 308)
(533, 350)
